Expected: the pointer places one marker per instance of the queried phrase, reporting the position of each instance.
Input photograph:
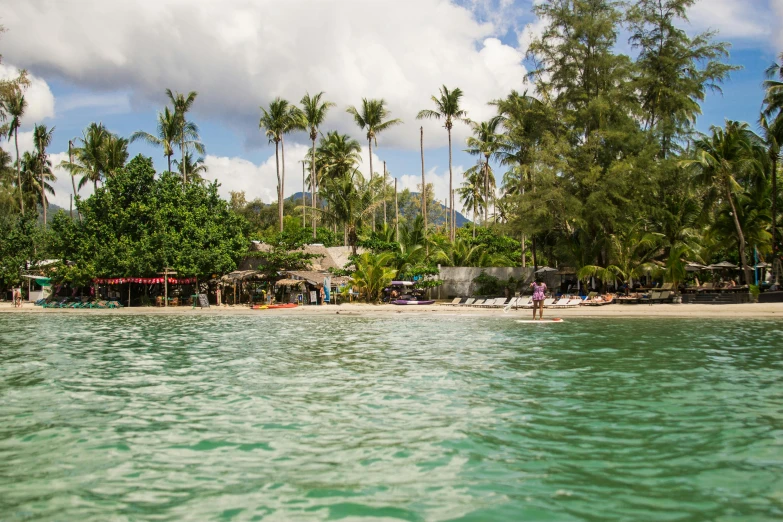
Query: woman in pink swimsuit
(539, 288)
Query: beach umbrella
(545, 270)
(722, 265)
(763, 265)
(694, 267)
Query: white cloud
(40, 100)
(241, 54)
(777, 7)
(734, 18)
(257, 181)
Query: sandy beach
(752, 310)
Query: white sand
(754, 310)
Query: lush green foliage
(138, 224)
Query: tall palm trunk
(43, 197)
(384, 193)
(452, 228)
(73, 181)
(279, 197)
(740, 235)
(774, 206)
(424, 192)
(312, 183)
(372, 199)
(486, 190)
(168, 157)
(282, 182)
(474, 216)
(182, 147)
(18, 170)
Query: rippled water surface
(323, 418)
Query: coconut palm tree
(115, 154)
(372, 117)
(470, 191)
(14, 105)
(89, 160)
(337, 154)
(486, 142)
(194, 168)
(167, 134)
(772, 123)
(631, 252)
(182, 104)
(720, 159)
(280, 119)
(447, 109)
(313, 115)
(32, 179)
(42, 138)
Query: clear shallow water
(325, 418)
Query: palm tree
(280, 119)
(373, 274)
(312, 116)
(167, 134)
(448, 109)
(182, 104)
(42, 138)
(486, 142)
(772, 122)
(349, 201)
(373, 118)
(15, 105)
(89, 157)
(338, 154)
(470, 191)
(115, 154)
(35, 175)
(195, 168)
(631, 252)
(719, 160)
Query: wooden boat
(411, 302)
(287, 305)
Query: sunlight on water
(322, 418)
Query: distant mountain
(461, 219)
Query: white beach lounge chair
(455, 302)
(525, 302)
(549, 302)
(469, 301)
(500, 302)
(478, 303)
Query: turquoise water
(450, 418)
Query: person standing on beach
(539, 289)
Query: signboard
(203, 301)
(313, 298)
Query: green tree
(42, 138)
(182, 104)
(719, 160)
(14, 105)
(196, 168)
(167, 134)
(486, 141)
(313, 115)
(772, 123)
(470, 192)
(280, 119)
(448, 108)
(674, 71)
(372, 117)
(137, 224)
(373, 274)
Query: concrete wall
(458, 281)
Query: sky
(111, 61)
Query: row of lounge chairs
(77, 302)
(517, 302)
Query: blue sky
(110, 61)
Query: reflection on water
(316, 418)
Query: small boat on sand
(287, 305)
(411, 302)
